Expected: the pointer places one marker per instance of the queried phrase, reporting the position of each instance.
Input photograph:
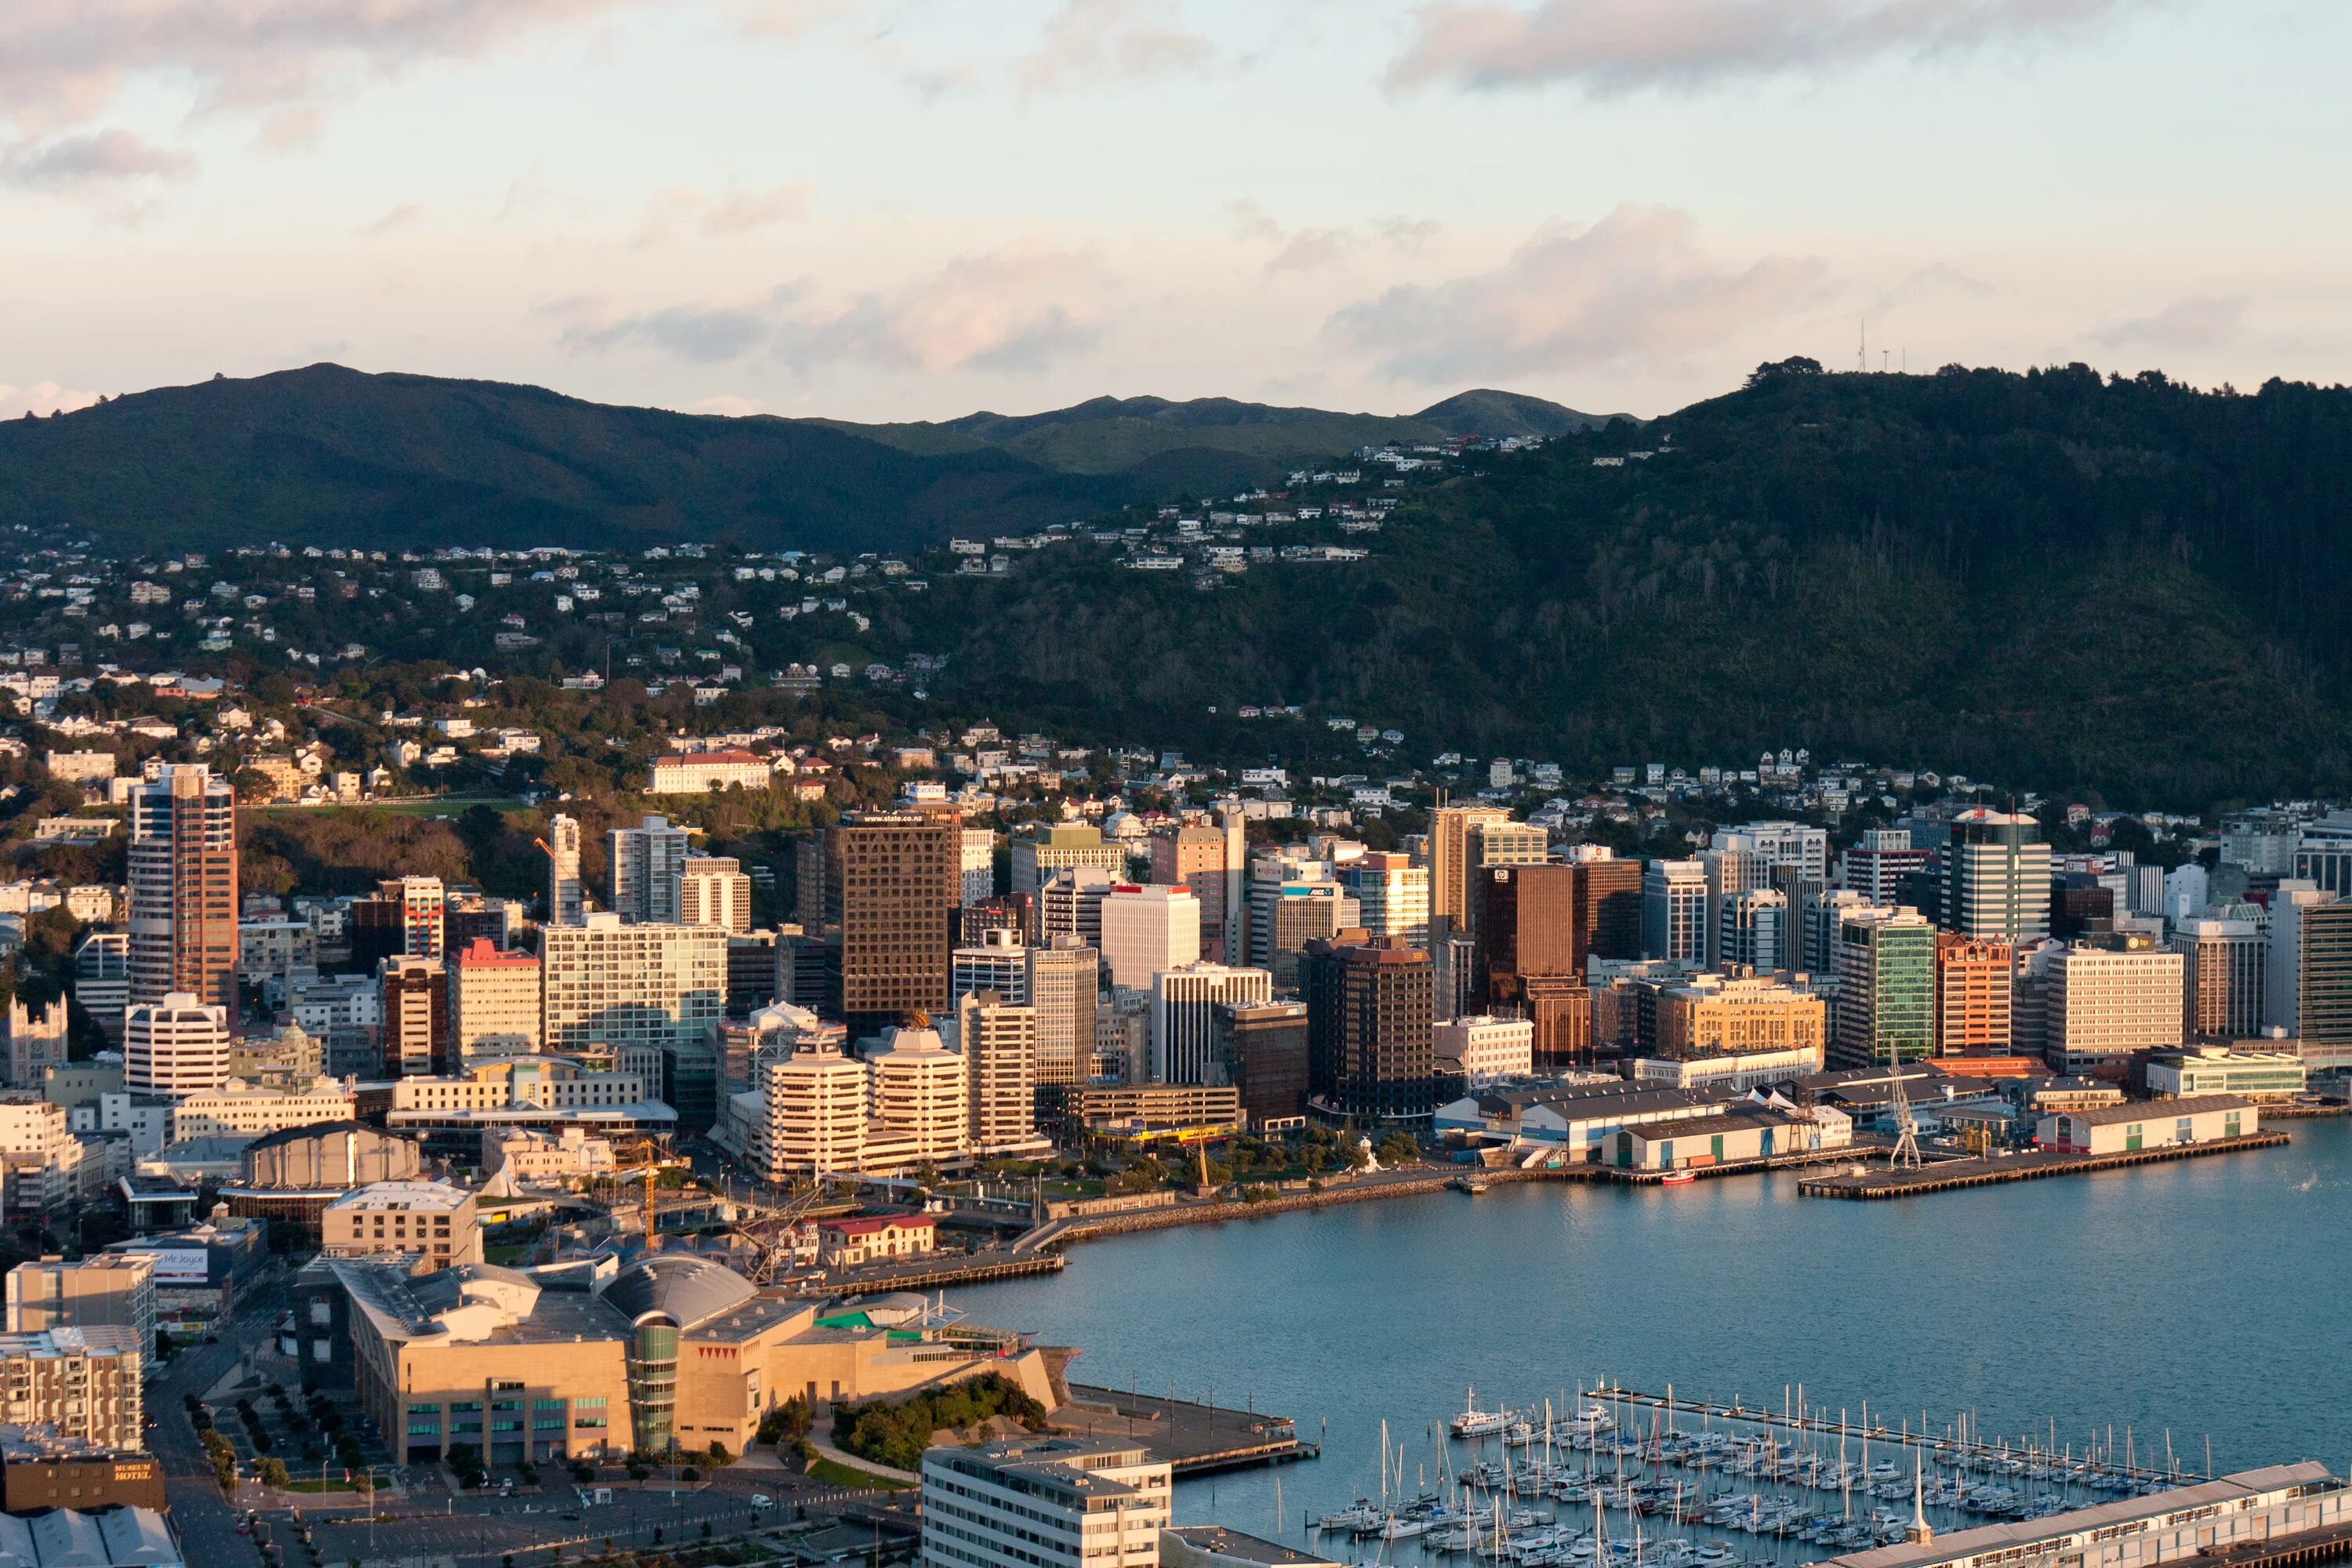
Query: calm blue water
(2211, 1297)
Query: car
(573, 1517)
(762, 1499)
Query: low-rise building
(1739, 1073)
(438, 1223)
(239, 1109)
(82, 1383)
(1486, 1047)
(1046, 1502)
(563, 1155)
(2157, 1124)
(871, 1238)
(702, 773)
(1744, 1133)
(2266, 1075)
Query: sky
(911, 209)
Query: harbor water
(2158, 1308)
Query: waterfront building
(610, 984)
(1041, 850)
(2261, 1076)
(921, 1100)
(1532, 937)
(1735, 1073)
(1146, 930)
(1183, 1030)
(998, 1040)
(1575, 1124)
(176, 1044)
(1368, 1007)
(1718, 1015)
(436, 1222)
(1137, 1108)
(2324, 982)
(1043, 1502)
(2109, 996)
(566, 897)
(1996, 877)
(1885, 966)
(2159, 1125)
(2223, 964)
(809, 1115)
(1261, 1049)
(494, 999)
(714, 890)
(1673, 911)
(872, 1238)
(183, 879)
(647, 861)
(1214, 1546)
(1976, 980)
(1484, 1048)
(1737, 1136)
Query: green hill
(1490, 412)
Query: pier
(934, 1273)
(1952, 1175)
(1195, 1439)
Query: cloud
(109, 157)
(43, 398)
(1090, 42)
(399, 217)
(2194, 324)
(1633, 286)
(1625, 46)
(727, 405)
(736, 210)
(62, 62)
(1309, 249)
(1016, 310)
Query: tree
(272, 1472)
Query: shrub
(897, 1434)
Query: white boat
(1404, 1529)
(1475, 1423)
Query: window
(323, 1312)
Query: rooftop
(432, 1197)
(2156, 1110)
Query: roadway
(205, 1520)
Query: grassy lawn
(337, 1484)
(843, 1476)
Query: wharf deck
(959, 1268)
(2284, 1552)
(1953, 1175)
(1196, 1439)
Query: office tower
(1291, 903)
(1802, 850)
(106, 1290)
(647, 861)
(494, 1000)
(608, 983)
(2188, 890)
(1196, 856)
(1876, 866)
(176, 1045)
(897, 872)
(1728, 873)
(996, 912)
(1062, 983)
(2222, 963)
(2079, 903)
(816, 885)
(1817, 928)
(184, 901)
(998, 1039)
(2147, 888)
(424, 910)
(1261, 1054)
(712, 890)
(1070, 904)
(1753, 930)
(1886, 972)
(2324, 859)
(1392, 896)
(998, 963)
(566, 900)
(416, 1016)
(1232, 888)
(1507, 843)
(2283, 966)
(1184, 1000)
(808, 972)
(2324, 985)
(922, 1091)
(1996, 877)
(1673, 911)
(751, 960)
(101, 979)
(1368, 1009)
(2110, 995)
(1040, 849)
(1608, 904)
(1450, 827)
(1975, 981)
(468, 915)
(1460, 990)
(1526, 960)
(1146, 930)
(976, 870)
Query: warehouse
(2130, 1128)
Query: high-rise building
(999, 963)
(1044, 1502)
(1802, 850)
(1450, 827)
(81, 1386)
(416, 1034)
(976, 870)
(106, 1290)
(898, 880)
(1040, 849)
(1146, 930)
(1184, 1001)
(1728, 873)
(2110, 995)
(712, 890)
(2290, 906)
(998, 1040)
(1261, 1053)
(494, 999)
(647, 862)
(1369, 1057)
(1885, 972)
(1193, 854)
(566, 900)
(2324, 985)
(1062, 984)
(183, 899)
(605, 981)
(1291, 903)
(813, 1112)
(424, 913)
(2222, 963)
(1879, 864)
(1816, 927)
(1673, 911)
(1996, 877)
(177, 1044)
(1071, 904)
(1391, 895)
(1608, 904)
(922, 1091)
(1976, 978)
(1528, 964)
(1752, 929)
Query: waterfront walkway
(1953, 1175)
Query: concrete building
(2282, 963)
(1484, 1048)
(438, 1223)
(1044, 1502)
(1000, 963)
(647, 861)
(2110, 996)
(1062, 982)
(35, 1043)
(1740, 1016)
(567, 1154)
(176, 1043)
(495, 999)
(1146, 930)
(809, 1115)
(1183, 1030)
(567, 898)
(1451, 828)
(922, 1095)
(1195, 856)
(2264, 1077)
(1392, 896)
(977, 868)
(1673, 911)
(1736, 1074)
(1975, 978)
(997, 1039)
(1290, 904)
(81, 1383)
(242, 1109)
(1041, 850)
(1799, 848)
(1370, 1059)
(1880, 865)
(101, 979)
(108, 1289)
(2224, 964)
(1751, 929)
(708, 773)
(1996, 877)
(898, 880)
(2323, 981)
(416, 1034)
(1262, 1054)
(1071, 904)
(606, 983)
(184, 887)
(1729, 872)
(2130, 1128)
(714, 890)
(1885, 966)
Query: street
(204, 1520)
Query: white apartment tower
(922, 1093)
(1148, 929)
(712, 890)
(566, 903)
(177, 1045)
(998, 1039)
(647, 862)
